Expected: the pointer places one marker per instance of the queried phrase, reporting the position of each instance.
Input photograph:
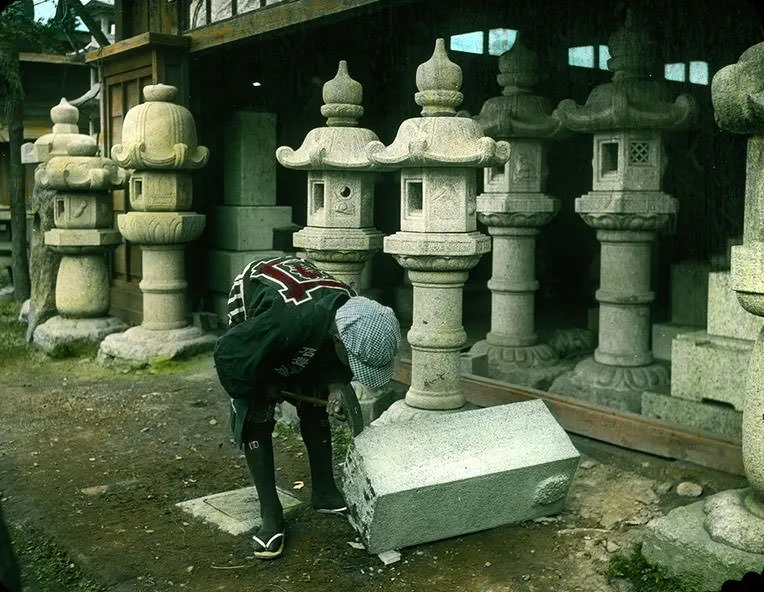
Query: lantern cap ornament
(519, 112)
(341, 145)
(439, 138)
(635, 98)
(159, 134)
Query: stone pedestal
(82, 236)
(515, 207)
(689, 300)
(626, 207)
(709, 368)
(159, 141)
(242, 228)
(447, 475)
(723, 536)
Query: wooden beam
(141, 41)
(622, 428)
(270, 18)
(90, 23)
(51, 58)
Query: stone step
(709, 367)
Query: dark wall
(384, 46)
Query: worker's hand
(334, 406)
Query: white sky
(46, 9)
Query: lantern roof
(439, 138)
(519, 112)
(341, 144)
(635, 98)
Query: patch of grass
(645, 577)
(284, 431)
(44, 565)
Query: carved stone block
(82, 210)
(160, 191)
(340, 199)
(438, 200)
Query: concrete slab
(234, 512)
(679, 543)
(446, 475)
(703, 416)
(246, 228)
(709, 367)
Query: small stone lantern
(340, 236)
(514, 207)
(721, 537)
(159, 142)
(83, 235)
(627, 118)
(438, 244)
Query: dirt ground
(93, 461)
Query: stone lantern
(340, 236)
(438, 244)
(159, 142)
(83, 235)
(722, 537)
(514, 207)
(626, 206)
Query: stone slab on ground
(223, 266)
(243, 228)
(663, 336)
(138, 346)
(725, 315)
(236, 511)
(59, 336)
(679, 543)
(446, 475)
(695, 415)
(709, 367)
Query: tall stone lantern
(514, 206)
(340, 235)
(626, 207)
(159, 142)
(83, 235)
(722, 537)
(438, 244)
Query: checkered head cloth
(371, 335)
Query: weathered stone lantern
(340, 235)
(627, 118)
(438, 243)
(514, 207)
(722, 538)
(159, 142)
(83, 235)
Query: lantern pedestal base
(61, 336)
(620, 387)
(680, 543)
(138, 346)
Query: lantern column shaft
(436, 337)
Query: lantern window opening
(639, 153)
(317, 194)
(344, 192)
(137, 187)
(495, 173)
(608, 159)
(60, 207)
(414, 197)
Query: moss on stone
(644, 577)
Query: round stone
(689, 489)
